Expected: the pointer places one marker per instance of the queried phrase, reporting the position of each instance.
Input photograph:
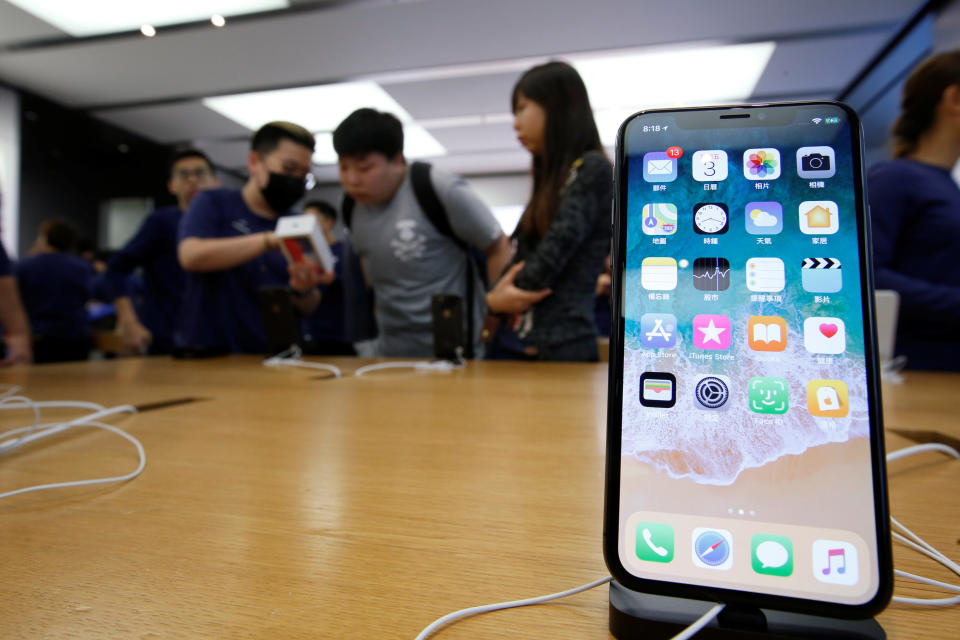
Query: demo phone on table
(745, 457)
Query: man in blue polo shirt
(13, 320)
(154, 249)
(229, 249)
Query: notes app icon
(658, 274)
(767, 333)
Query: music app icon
(835, 562)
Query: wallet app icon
(659, 167)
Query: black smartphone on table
(745, 457)
(449, 333)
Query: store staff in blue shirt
(154, 249)
(229, 249)
(55, 286)
(324, 329)
(13, 320)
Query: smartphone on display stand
(745, 456)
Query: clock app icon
(711, 218)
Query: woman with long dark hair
(915, 206)
(546, 298)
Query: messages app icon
(771, 555)
(655, 542)
(659, 167)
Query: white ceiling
(439, 59)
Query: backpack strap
(436, 213)
(346, 209)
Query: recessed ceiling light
(148, 30)
(94, 17)
(218, 21)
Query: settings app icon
(712, 392)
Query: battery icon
(833, 120)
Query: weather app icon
(763, 218)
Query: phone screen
(743, 398)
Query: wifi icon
(816, 120)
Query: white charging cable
(914, 541)
(432, 365)
(37, 431)
(292, 358)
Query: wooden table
(282, 505)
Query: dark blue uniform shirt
(55, 288)
(327, 322)
(220, 308)
(916, 234)
(154, 249)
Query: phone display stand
(651, 617)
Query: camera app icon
(816, 162)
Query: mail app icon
(659, 167)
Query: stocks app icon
(711, 274)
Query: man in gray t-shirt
(405, 258)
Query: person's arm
(575, 218)
(139, 250)
(506, 297)
(16, 329)
(498, 255)
(218, 254)
(304, 279)
(133, 334)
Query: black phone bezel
(737, 116)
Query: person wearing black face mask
(229, 250)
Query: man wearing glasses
(154, 249)
(229, 249)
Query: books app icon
(767, 333)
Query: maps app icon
(659, 219)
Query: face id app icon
(765, 275)
(767, 333)
(654, 542)
(658, 330)
(711, 331)
(711, 274)
(761, 164)
(819, 217)
(816, 163)
(763, 218)
(659, 167)
(824, 335)
(710, 165)
(835, 562)
(658, 389)
(658, 274)
(659, 219)
(768, 395)
(821, 275)
(828, 398)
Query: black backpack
(437, 215)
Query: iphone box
(301, 238)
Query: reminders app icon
(658, 389)
(659, 167)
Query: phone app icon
(816, 162)
(761, 164)
(712, 549)
(821, 275)
(654, 542)
(765, 275)
(768, 395)
(658, 389)
(712, 392)
(819, 217)
(771, 555)
(710, 165)
(658, 330)
(658, 274)
(659, 219)
(763, 218)
(659, 167)
(828, 398)
(711, 331)
(767, 333)
(711, 274)
(824, 335)
(835, 562)
(711, 218)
